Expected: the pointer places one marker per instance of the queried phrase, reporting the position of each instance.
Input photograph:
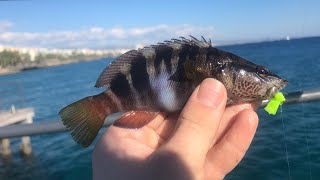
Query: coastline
(57, 62)
(45, 64)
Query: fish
(160, 78)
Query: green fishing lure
(274, 103)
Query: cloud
(5, 25)
(101, 38)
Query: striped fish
(161, 78)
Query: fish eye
(262, 71)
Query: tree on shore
(9, 58)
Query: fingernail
(210, 93)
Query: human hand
(206, 141)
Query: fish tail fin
(85, 118)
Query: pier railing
(19, 116)
(57, 126)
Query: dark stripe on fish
(139, 74)
(194, 52)
(187, 51)
(184, 86)
(140, 81)
(183, 55)
(120, 86)
(163, 53)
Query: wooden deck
(16, 116)
(19, 116)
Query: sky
(130, 24)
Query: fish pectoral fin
(179, 76)
(189, 72)
(135, 119)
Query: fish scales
(153, 90)
(161, 78)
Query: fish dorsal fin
(123, 63)
(120, 65)
(192, 41)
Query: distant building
(34, 52)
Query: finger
(229, 116)
(146, 135)
(157, 121)
(114, 140)
(199, 121)
(228, 152)
(166, 128)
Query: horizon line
(138, 46)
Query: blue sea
(286, 146)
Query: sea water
(291, 137)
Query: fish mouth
(283, 84)
(276, 88)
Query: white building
(33, 52)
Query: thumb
(199, 121)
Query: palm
(144, 140)
(141, 143)
(206, 142)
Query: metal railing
(57, 126)
(299, 97)
(45, 127)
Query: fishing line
(285, 142)
(306, 136)
(307, 142)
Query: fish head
(255, 83)
(246, 81)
